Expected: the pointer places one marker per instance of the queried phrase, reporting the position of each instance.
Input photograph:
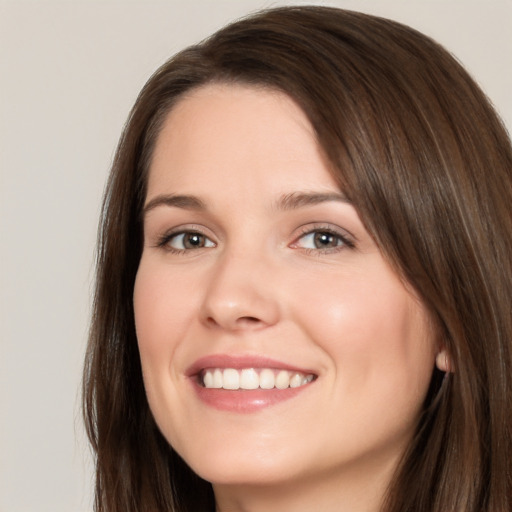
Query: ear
(443, 360)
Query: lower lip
(243, 400)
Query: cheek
(375, 333)
(151, 306)
(161, 318)
(351, 311)
(161, 313)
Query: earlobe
(443, 361)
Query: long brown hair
(419, 150)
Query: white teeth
(296, 380)
(230, 379)
(282, 380)
(217, 379)
(251, 378)
(267, 379)
(208, 380)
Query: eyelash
(164, 241)
(345, 240)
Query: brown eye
(189, 241)
(321, 240)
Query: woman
(303, 289)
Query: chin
(243, 469)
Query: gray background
(70, 71)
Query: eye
(322, 239)
(187, 240)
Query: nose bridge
(240, 294)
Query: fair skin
(254, 259)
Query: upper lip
(239, 362)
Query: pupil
(324, 239)
(194, 240)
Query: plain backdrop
(69, 73)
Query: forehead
(235, 133)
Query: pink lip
(239, 362)
(241, 401)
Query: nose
(240, 295)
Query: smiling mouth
(252, 378)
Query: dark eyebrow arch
(300, 199)
(290, 201)
(177, 201)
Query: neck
(356, 490)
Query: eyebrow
(178, 201)
(296, 200)
(291, 201)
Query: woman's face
(258, 274)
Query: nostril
(211, 321)
(249, 320)
(236, 323)
(240, 322)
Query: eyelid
(163, 240)
(348, 240)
